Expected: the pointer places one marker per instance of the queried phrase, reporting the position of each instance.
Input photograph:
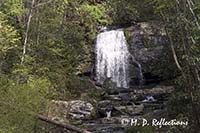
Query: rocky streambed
(115, 109)
(118, 108)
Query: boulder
(158, 90)
(131, 109)
(156, 114)
(64, 110)
(103, 107)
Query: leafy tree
(20, 104)
(9, 38)
(181, 21)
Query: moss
(127, 35)
(94, 113)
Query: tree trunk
(63, 125)
(27, 31)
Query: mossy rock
(127, 34)
(109, 84)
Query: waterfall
(141, 77)
(139, 70)
(140, 74)
(112, 57)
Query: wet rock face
(64, 110)
(146, 42)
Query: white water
(108, 113)
(112, 57)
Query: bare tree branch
(174, 52)
(190, 3)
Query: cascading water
(141, 77)
(139, 70)
(112, 57)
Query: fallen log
(63, 125)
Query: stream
(118, 107)
(129, 104)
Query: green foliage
(181, 21)
(164, 5)
(61, 6)
(20, 103)
(96, 12)
(92, 10)
(122, 12)
(60, 46)
(12, 7)
(75, 86)
(8, 35)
